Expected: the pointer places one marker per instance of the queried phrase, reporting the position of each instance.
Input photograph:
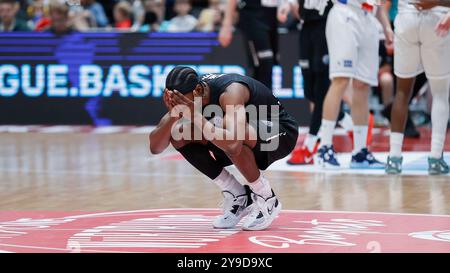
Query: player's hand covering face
(185, 106)
(168, 102)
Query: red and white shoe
(302, 156)
(369, 131)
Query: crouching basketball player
(218, 142)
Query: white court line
(108, 129)
(62, 249)
(141, 212)
(181, 232)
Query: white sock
(396, 143)
(310, 142)
(326, 132)
(261, 187)
(227, 182)
(439, 115)
(437, 145)
(346, 122)
(359, 138)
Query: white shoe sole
(267, 223)
(366, 166)
(318, 162)
(245, 213)
(326, 166)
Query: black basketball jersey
(312, 15)
(260, 95)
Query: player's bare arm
(235, 96)
(160, 136)
(388, 32)
(226, 138)
(226, 31)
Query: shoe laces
(257, 208)
(369, 156)
(228, 201)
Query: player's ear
(199, 91)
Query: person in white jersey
(353, 40)
(421, 44)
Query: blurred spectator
(157, 7)
(59, 18)
(38, 13)
(123, 15)
(131, 15)
(79, 17)
(108, 6)
(8, 17)
(150, 22)
(183, 21)
(138, 16)
(94, 13)
(210, 18)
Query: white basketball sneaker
(263, 212)
(234, 209)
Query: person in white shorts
(353, 40)
(422, 44)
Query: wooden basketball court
(49, 173)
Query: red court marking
(190, 230)
(380, 142)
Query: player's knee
(386, 78)
(178, 144)
(439, 87)
(233, 153)
(340, 82)
(359, 85)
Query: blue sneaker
(394, 165)
(365, 160)
(326, 157)
(437, 166)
